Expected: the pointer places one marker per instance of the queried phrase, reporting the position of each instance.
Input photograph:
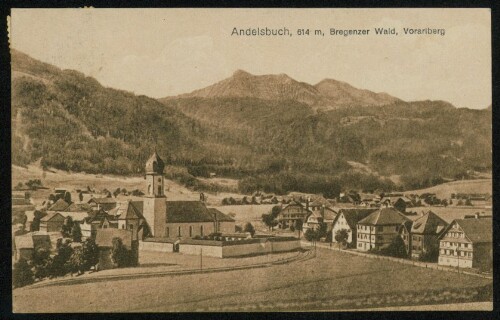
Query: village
(93, 234)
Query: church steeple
(154, 176)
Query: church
(175, 219)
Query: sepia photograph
(251, 160)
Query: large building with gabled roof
(424, 236)
(467, 243)
(379, 229)
(176, 219)
(348, 218)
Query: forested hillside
(72, 122)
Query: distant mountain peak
(327, 94)
(241, 73)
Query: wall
(235, 250)
(156, 246)
(195, 249)
(105, 261)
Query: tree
(76, 261)
(90, 253)
(67, 197)
(119, 253)
(42, 263)
(35, 224)
(238, 228)
(22, 274)
(76, 232)
(310, 235)
(341, 237)
(460, 202)
(269, 221)
(116, 192)
(67, 227)
(468, 202)
(444, 202)
(321, 232)
(396, 248)
(275, 211)
(59, 266)
(52, 198)
(299, 225)
(249, 228)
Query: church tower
(155, 206)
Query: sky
(165, 52)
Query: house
(104, 241)
(96, 220)
(52, 222)
(20, 198)
(129, 217)
(26, 245)
(348, 218)
(291, 213)
(405, 233)
(399, 202)
(424, 236)
(379, 229)
(317, 216)
(467, 243)
(102, 203)
(59, 205)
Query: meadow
(330, 276)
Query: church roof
(219, 215)
(155, 164)
(188, 211)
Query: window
(190, 231)
(159, 179)
(105, 226)
(149, 189)
(168, 232)
(159, 189)
(123, 226)
(360, 245)
(179, 231)
(201, 230)
(131, 227)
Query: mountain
(343, 94)
(326, 95)
(266, 131)
(74, 123)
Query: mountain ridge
(277, 145)
(327, 94)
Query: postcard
(247, 160)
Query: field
(449, 213)
(330, 276)
(444, 191)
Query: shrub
(249, 228)
(22, 275)
(120, 255)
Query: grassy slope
(445, 190)
(330, 275)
